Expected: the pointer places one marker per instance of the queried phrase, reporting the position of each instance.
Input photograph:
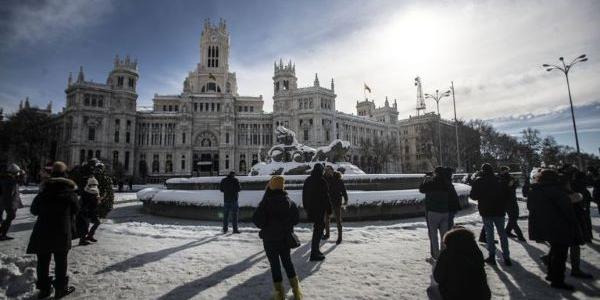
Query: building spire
(316, 83)
(387, 103)
(27, 102)
(80, 77)
(332, 85)
(70, 81)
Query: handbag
(293, 241)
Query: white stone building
(208, 128)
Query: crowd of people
(64, 212)
(558, 201)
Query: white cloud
(492, 50)
(30, 22)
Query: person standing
(337, 192)
(315, 199)
(438, 190)
(491, 198)
(276, 216)
(552, 219)
(453, 201)
(460, 271)
(581, 199)
(230, 187)
(512, 209)
(10, 200)
(328, 175)
(90, 198)
(51, 236)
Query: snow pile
(274, 167)
(252, 198)
(265, 178)
(147, 193)
(17, 276)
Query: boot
(45, 287)
(295, 283)
(491, 260)
(278, 292)
(62, 288)
(91, 238)
(83, 242)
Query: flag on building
(367, 88)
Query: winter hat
(317, 169)
(277, 182)
(59, 169)
(487, 168)
(92, 186)
(13, 169)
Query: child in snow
(276, 216)
(90, 198)
(460, 271)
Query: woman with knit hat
(276, 216)
(90, 198)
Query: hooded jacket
(490, 195)
(315, 195)
(276, 216)
(55, 207)
(551, 215)
(230, 186)
(459, 270)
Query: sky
(492, 51)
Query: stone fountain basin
(371, 197)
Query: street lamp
(455, 128)
(565, 69)
(437, 97)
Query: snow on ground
(139, 256)
(252, 198)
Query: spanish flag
(367, 88)
(211, 76)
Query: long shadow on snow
(136, 213)
(262, 284)
(149, 257)
(193, 288)
(584, 286)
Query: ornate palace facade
(210, 129)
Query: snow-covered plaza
(140, 256)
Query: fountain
(371, 196)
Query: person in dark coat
(10, 200)
(491, 198)
(512, 209)
(315, 199)
(337, 192)
(438, 190)
(460, 271)
(594, 181)
(552, 219)
(88, 214)
(56, 207)
(453, 202)
(276, 216)
(581, 199)
(230, 187)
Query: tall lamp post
(455, 128)
(565, 69)
(437, 97)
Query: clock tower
(212, 72)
